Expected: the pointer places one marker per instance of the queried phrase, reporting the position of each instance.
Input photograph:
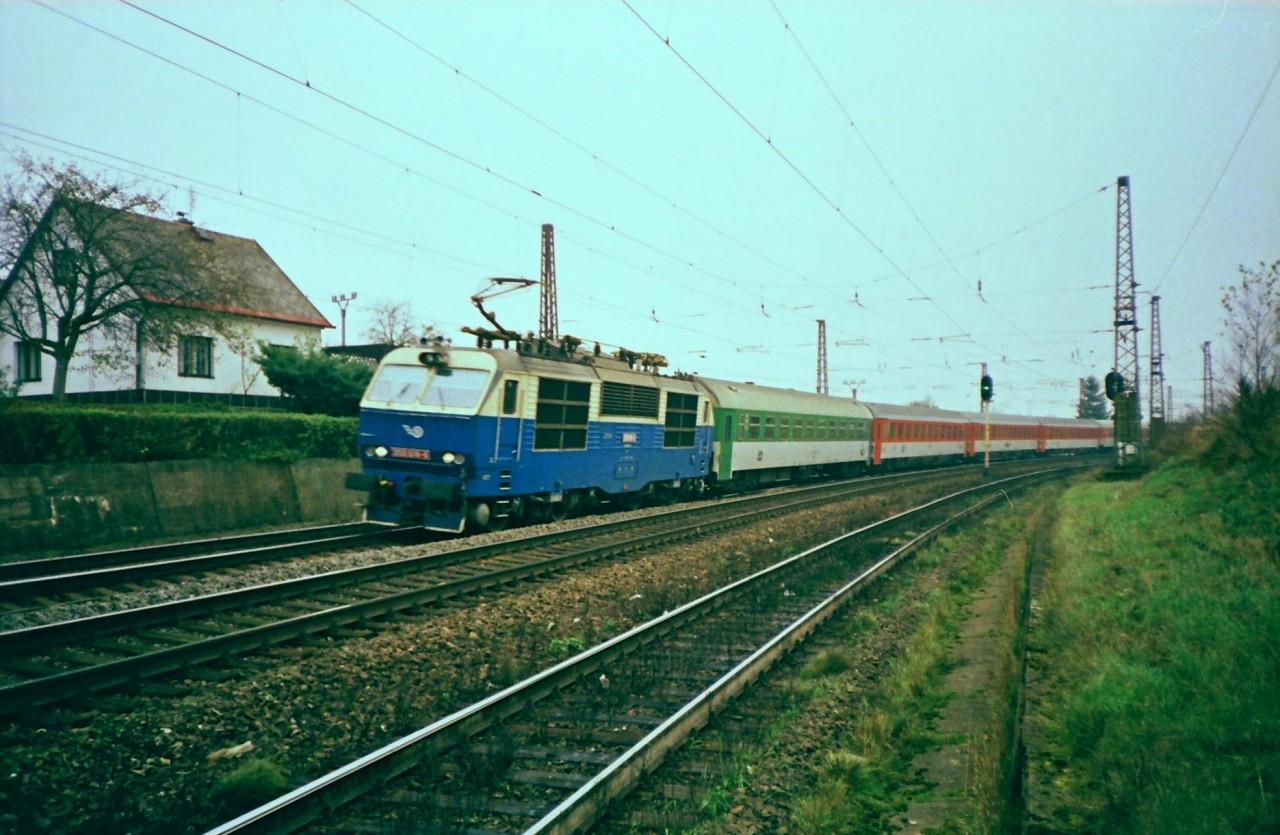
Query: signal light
(1114, 384)
(986, 388)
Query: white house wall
(233, 373)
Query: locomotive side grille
(625, 400)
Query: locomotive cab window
(460, 389)
(398, 383)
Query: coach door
(509, 421)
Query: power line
(595, 157)
(1231, 156)
(666, 41)
(613, 228)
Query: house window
(195, 356)
(28, 362)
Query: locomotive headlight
(377, 451)
(453, 458)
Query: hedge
(50, 434)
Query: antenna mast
(822, 356)
(548, 317)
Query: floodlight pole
(342, 301)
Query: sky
(935, 181)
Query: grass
(1162, 632)
(251, 784)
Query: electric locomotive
(453, 438)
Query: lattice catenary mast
(1155, 411)
(822, 356)
(1128, 408)
(1208, 381)
(548, 318)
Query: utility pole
(1128, 403)
(1208, 381)
(822, 356)
(548, 316)
(342, 302)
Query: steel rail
(57, 686)
(33, 586)
(321, 796)
(71, 563)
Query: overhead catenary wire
(612, 228)
(795, 169)
(1221, 173)
(773, 305)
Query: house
(218, 296)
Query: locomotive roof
(749, 396)
(585, 367)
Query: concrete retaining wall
(78, 508)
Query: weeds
(251, 784)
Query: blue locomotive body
(453, 438)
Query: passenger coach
(765, 435)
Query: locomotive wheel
(630, 501)
(558, 511)
(481, 517)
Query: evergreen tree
(1093, 400)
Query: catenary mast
(1128, 408)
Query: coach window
(742, 426)
(770, 429)
(510, 396)
(784, 429)
(753, 427)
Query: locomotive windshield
(459, 388)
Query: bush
(315, 382)
(45, 433)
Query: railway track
(549, 754)
(76, 658)
(53, 580)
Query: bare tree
(394, 324)
(1252, 325)
(82, 256)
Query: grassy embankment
(1161, 708)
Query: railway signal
(1114, 385)
(986, 388)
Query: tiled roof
(264, 291)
